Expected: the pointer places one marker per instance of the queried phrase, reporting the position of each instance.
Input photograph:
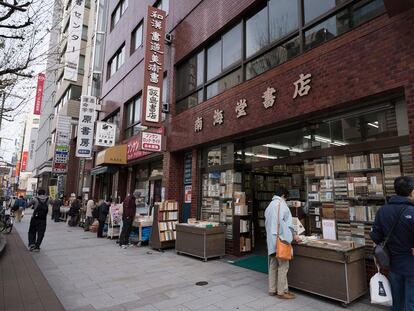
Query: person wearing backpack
(394, 225)
(38, 221)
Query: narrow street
(90, 274)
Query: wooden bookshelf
(165, 219)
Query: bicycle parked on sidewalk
(6, 220)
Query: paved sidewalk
(89, 274)
(22, 285)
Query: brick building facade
(369, 62)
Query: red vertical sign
(39, 93)
(17, 171)
(24, 160)
(153, 68)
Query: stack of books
(344, 231)
(358, 233)
(375, 160)
(340, 163)
(358, 213)
(357, 162)
(341, 189)
(342, 210)
(392, 170)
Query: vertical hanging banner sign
(24, 161)
(32, 150)
(72, 54)
(39, 93)
(86, 125)
(153, 67)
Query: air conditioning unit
(168, 38)
(165, 107)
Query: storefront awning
(112, 155)
(103, 170)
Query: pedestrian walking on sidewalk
(90, 205)
(103, 210)
(56, 204)
(278, 212)
(399, 212)
(37, 226)
(128, 216)
(18, 208)
(74, 211)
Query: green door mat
(255, 263)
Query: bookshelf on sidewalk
(165, 220)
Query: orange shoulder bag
(283, 249)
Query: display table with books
(332, 269)
(202, 240)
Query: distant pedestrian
(103, 211)
(19, 207)
(399, 211)
(74, 211)
(38, 221)
(90, 205)
(128, 216)
(56, 205)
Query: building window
(269, 37)
(163, 5)
(118, 12)
(136, 37)
(85, 33)
(116, 61)
(133, 117)
(315, 8)
(81, 68)
(257, 34)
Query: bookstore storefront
(338, 167)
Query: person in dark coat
(74, 211)
(401, 242)
(38, 221)
(103, 210)
(56, 204)
(128, 216)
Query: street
(90, 274)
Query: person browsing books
(278, 268)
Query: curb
(3, 243)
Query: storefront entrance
(338, 169)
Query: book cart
(165, 218)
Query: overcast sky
(13, 131)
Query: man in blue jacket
(400, 243)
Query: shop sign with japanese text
(61, 157)
(134, 150)
(151, 141)
(105, 134)
(39, 93)
(72, 54)
(86, 124)
(32, 150)
(154, 67)
(134, 146)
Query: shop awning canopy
(103, 170)
(112, 155)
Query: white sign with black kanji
(87, 117)
(105, 134)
